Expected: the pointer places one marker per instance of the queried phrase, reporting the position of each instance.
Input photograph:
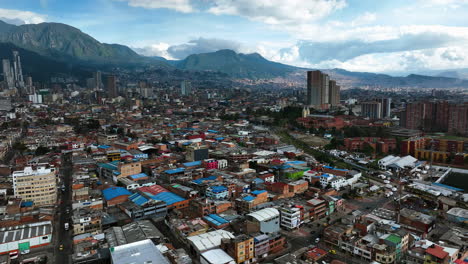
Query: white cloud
(21, 17)
(183, 6)
(157, 49)
(277, 11)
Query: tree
(41, 150)
(19, 146)
(368, 149)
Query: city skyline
(393, 37)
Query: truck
(66, 226)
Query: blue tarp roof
(325, 175)
(138, 199)
(112, 192)
(258, 180)
(174, 171)
(216, 219)
(193, 163)
(138, 176)
(219, 138)
(249, 198)
(108, 166)
(168, 197)
(295, 162)
(447, 186)
(332, 168)
(257, 192)
(104, 146)
(201, 180)
(218, 189)
(27, 204)
(212, 131)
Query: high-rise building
(458, 119)
(334, 96)
(321, 91)
(97, 80)
(8, 74)
(18, 71)
(385, 103)
(428, 116)
(185, 88)
(371, 110)
(111, 86)
(38, 185)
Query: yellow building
(38, 185)
(241, 248)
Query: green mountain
(41, 68)
(238, 65)
(65, 42)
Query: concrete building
(111, 86)
(372, 110)
(266, 220)
(317, 88)
(290, 217)
(37, 184)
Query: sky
(388, 36)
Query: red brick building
(383, 145)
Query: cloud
(183, 6)
(158, 49)
(452, 54)
(19, 17)
(316, 52)
(203, 45)
(277, 11)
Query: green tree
(41, 150)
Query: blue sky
(392, 36)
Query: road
(64, 237)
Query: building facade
(38, 184)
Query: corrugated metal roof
(265, 214)
(113, 192)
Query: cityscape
(212, 152)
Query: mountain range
(66, 49)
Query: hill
(238, 65)
(41, 68)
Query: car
(332, 251)
(61, 247)
(317, 240)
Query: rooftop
(138, 252)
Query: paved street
(63, 237)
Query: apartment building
(37, 184)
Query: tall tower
(185, 88)
(97, 80)
(334, 96)
(18, 71)
(111, 86)
(8, 74)
(317, 88)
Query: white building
(22, 238)
(138, 252)
(397, 163)
(222, 164)
(206, 241)
(216, 256)
(290, 217)
(268, 220)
